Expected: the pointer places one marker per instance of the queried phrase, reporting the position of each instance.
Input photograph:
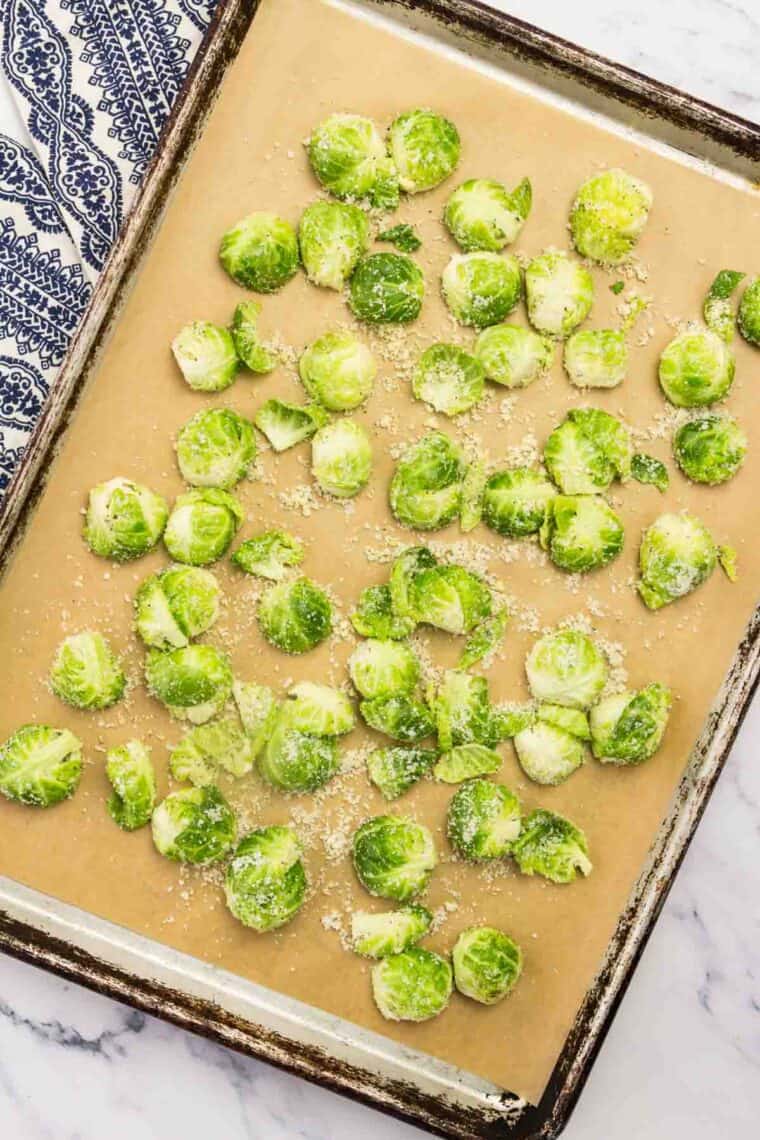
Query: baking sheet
(251, 157)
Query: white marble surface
(683, 1057)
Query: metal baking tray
(218, 1004)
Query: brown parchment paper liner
(302, 60)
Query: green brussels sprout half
(341, 458)
(608, 216)
(574, 721)
(215, 448)
(449, 379)
(124, 520)
(175, 605)
(286, 425)
(717, 310)
(206, 356)
(201, 526)
(332, 237)
(484, 639)
(257, 709)
(627, 728)
(566, 668)
(194, 825)
(386, 288)
(85, 672)
(596, 358)
(260, 252)
(348, 157)
(319, 709)
(383, 668)
(481, 288)
(403, 571)
(194, 682)
(697, 368)
(677, 554)
(399, 716)
(403, 236)
(338, 370)
(473, 486)
(394, 857)
(513, 356)
(559, 293)
(548, 755)
(265, 884)
(130, 772)
(581, 533)
(250, 348)
(295, 616)
(395, 770)
(466, 761)
(296, 761)
(510, 718)
(483, 214)
(269, 555)
(515, 502)
(375, 617)
(749, 312)
(647, 469)
(462, 709)
(426, 489)
(551, 846)
(380, 935)
(483, 820)
(40, 766)
(424, 147)
(587, 451)
(450, 598)
(208, 747)
(487, 964)
(710, 449)
(412, 986)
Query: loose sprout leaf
(551, 846)
(216, 448)
(265, 884)
(450, 598)
(386, 288)
(208, 747)
(206, 356)
(627, 728)
(85, 672)
(402, 717)
(648, 469)
(269, 555)
(510, 718)
(412, 986)
(608, 216)
(710, 448)
(424, 147)
(257, 708)
(581, 533)
(548, 754)
(487, 964)
(124, 520)
(483, 820)
(286, 425)
(341, 458)
(717, 311)
(696, 369)
(728, 558)
(481, 288)
(574, 721)
(617, 287)
(394, 857)
(515, 502)
(260, 252)
(175, 605)
(677, 554)
(473, 487)
(559, 293)
(748, 318)
(395, 770)
(252, 351)
(513, 356)
(40, 766)
(426, 489)
(332, 236)
(383, 668)
(405, 567)
(482, 214)
(375, 617)
(319, 709)
(485, 638)
(348, 157)
(392, 932)
(295, 616)
(449, 379)
(403, 236)
(194, 825)
(338, 371)
(295, 761)
(596, 358)
(566, 668)
(130, 772)
(588, 450)
(194, 682)
(465, 761)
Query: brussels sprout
(124, 520)
(395, 770)
(424, 147)
(450, 598)
(463, 711)
(749, 312)
(596, 358)
(394, 857)
(383, 668)
(551, 846)
(510, 718)
(175, 605)
(265, 884)
(548, 755)
(412, 986)
(206, 356)
(403, 236)
(710, 449)
(515, 502)
(332, 237)
(473, 487)
(269, 555)
(257, 709)
(380, 935)
(484, 638)
(449, 379)
(399, 716)
(130, 772)
(202, 525)
(483, 820)
(348, 157)
(677, 554)
(40, 766)
(296, 761)
(608, 216)
(386, 288)
(696, 368)
(426, 489)
(295, 616)
(194, 825)
(405, 567)
(559, 293)
(717, 311)
(481, 288)
(338, 370)
(627, 728)
(193, 682)
(647, 469)
(487, 964)
(260, 252)
(465, 761)
(285, 425)
(574, 721)
(375, 616)
(208, 747)
(566, 668)
(483, 214)
(250, 348)
(216, 448)
(513, 356)
(319, 709)
(581, 533)
(341, 458)
(587, 451)
(85, 673)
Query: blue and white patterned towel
(85, 87)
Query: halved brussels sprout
(40, 766)
(717, 310)
(295, 616)
(382, 668)
(265, 884)
(511, 717)
(424, 147)
(285, 425)
(175, 605)
(348, 156)
(426, 489)
(400, 716)
(462, 711)
(215, 448)
(465, 762)
(677, 554)
(627, 728)
(338, 370)
(515, 502)
(253, 352)
(194, 825)
(85, 672)
(487, 964)
(412, 986)
(341, 458)
(697, 368)
(403, 571)
(551, 846)
(483, 820)
(269, 555)
(260, 252)
(512, 355)
(481, 288)
(375, 616)
(450, 598)
(332, 236)
(473, 486)
(484, 638)
(559, 293)
(395, 770)
(257, 709)
(749, 312)
(202, 525)
(587, 451)
(648, 469)
(392, 932)
(710, 449)
(296, 761)
(208, 747)
(403, 236)
(319, 709)
(483, 214)
(596, 358)
(566, 668)
(581, 533)
(130, 772)
(574, 721)
(394, 857)
(449, 379)
(206, 356)
(386, 288)
(548, 755)
(124, 520)
(608, 215)
(194, 682)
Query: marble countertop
(683, 1056)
